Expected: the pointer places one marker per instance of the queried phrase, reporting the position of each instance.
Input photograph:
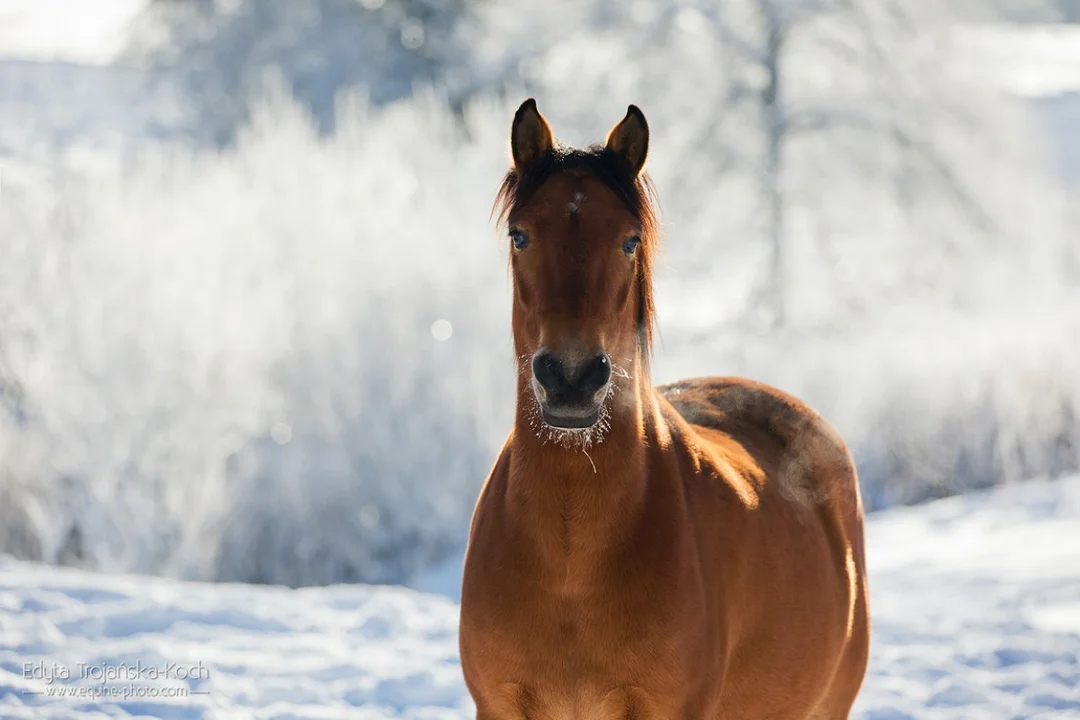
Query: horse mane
(636, 192)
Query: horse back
(803, 456)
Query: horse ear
(630, 139)
(530, 136)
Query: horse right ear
(530, 136)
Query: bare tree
(220, 53)
(853, 39)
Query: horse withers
(688, 552)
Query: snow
(976, 606)
(326, 652)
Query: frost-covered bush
(934, 403)
(223, 366)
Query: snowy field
(976, 604)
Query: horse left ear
(630, 139)
(530, 136)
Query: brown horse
(691, 552)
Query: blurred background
(254, 316)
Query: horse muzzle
(570, 394)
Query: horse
(693, 551)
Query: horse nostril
(594, 375)
(548, 371)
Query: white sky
(83, 31)
(1027, 60)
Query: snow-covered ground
(976, 604)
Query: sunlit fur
(698, 553)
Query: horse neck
(578, 495)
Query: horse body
(701, 559)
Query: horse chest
(584, 702)
(588, 654)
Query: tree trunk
(772, 176)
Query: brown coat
(718, 572)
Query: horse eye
(520, 239)
(631, 244)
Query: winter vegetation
(268, 341)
